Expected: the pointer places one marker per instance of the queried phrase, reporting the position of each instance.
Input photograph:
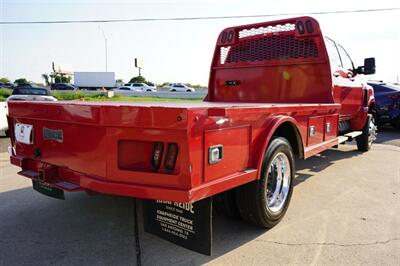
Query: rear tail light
(170, 158)
(156, 155)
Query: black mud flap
(186, 224)
(48, 190)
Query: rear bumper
(71, 181)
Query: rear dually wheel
(264, 202)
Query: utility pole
(105, 45)
(54, 71)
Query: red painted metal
(236, 151)
(108, 147)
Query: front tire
(264, 202)
(364, 141)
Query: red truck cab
(277, 90)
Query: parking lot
(345, 210)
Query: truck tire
(264, 202)
(364, 141)
(225, 203)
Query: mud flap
(48, 190)
(186, 224)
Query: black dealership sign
(185, 224)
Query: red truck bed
(107, 146)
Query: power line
(196, 18)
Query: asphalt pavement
(345, 209)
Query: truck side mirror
(369, 66)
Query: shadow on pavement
(99, 230)
(308, 168)
(83, 230)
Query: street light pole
(105, 44)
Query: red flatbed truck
(277, 90)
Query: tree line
(51, 79)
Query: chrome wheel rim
(278, 182)
(371, 131)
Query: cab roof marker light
(230, 36)
(223, 38)
(300, 27)
(309, 26)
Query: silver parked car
(180, 87)
(139, 87)
(31, 94)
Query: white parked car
(31, 94)
(22, 94)
(179, 87)
(140, 87)
(3, 118)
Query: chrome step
(353, 134)
(342, 139)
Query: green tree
(4, 80)
(21, 81)
(62, 79)
(138, 79)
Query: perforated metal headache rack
(264, 43)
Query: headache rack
(293, 41)
(282, 61)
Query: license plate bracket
(23, 133)
(46, 189)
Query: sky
(175, 51)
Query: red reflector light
(170, 158)
(156, 155)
